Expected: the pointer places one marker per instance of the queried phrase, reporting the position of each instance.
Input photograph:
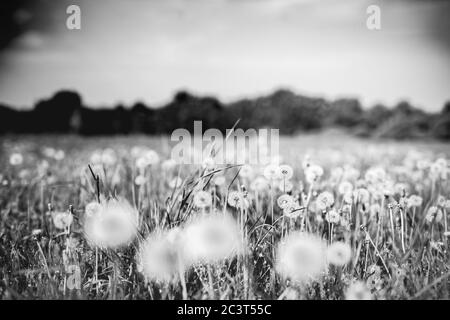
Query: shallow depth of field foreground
(113, 218)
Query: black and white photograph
(251, 152)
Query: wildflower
(433, 214)
(168, 164)
(237, 200)
(374, 209)
(362, 195)
(259, 184)
(285, 200)
(345, 187)
(114, 225)
(140, 180)
(212, 238)
(374, 269)
(374, 281)
(62, 220)
(348, 198)
(16, 159)
(92, 209)
(293, 210)
(375, 174)
(286, 171)
(59, 155)
(49, 152)
(141, 163)
(272, 172)
(358, 291)
(441, 201)
(209, 163)
(300, 257)
(313, 173)
(159, 256)
(339, 253)
(324, 200)
(202, 199)
(176, 183)
(96, 157)
(332, 216)
(414, 201)
(152, 157)
(109, 157)
(285, 186)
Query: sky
(137, 50)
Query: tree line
(65, 112)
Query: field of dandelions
(330, 218)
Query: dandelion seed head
(285, 200)
(159, 256)
(332, 216)
(339, 253)
(301, 257)
(202, 199)
(358, 291)
(212, 238)
(62, 220)
(16, 159)
(113, 226)
(324, 200)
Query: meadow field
(334, 217)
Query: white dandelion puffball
(362, 195)
(285, 200)
(324, 200)
(272, 172)
(358, 291)
(339, 253)
(259, 184)
(237, 200)
(202, 199)
(139, 180)
(62, 220)
(246, 171)
(114, 225)
(286, 171)
(212, 238)
(92, 209)
(333, 216)
(159, 256)
(209, 163)
(313, 173)
(345, 187)
(109, 157)
(176, 183)
(152, 157)
(293, 210)
(301, 257)
(16, 159)
(434, 214)
(414, 201)
(59, 155)
(168, 164)
(285, 186)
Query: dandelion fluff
(114, 225)
(339, 253)
(301, 257)
(159, 256)
(212, 238)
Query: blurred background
(154, 66)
